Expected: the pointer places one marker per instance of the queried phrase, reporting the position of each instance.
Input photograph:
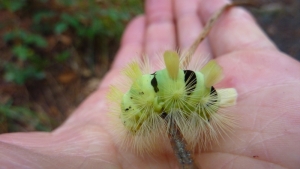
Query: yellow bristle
(133, 71)
(172, 63)
(227, 97)
(212, 72)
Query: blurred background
(54, 53)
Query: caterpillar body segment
(186, 96)
(139, 103)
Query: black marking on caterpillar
(128, 108)
(214, 94)
(190, 80)
(163, 115)
(154, 82)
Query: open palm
(268, 109)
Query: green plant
(28, 63)
(91, 27)
(16, 118)
(12, 5)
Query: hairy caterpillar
(153, 100)
(187, 96)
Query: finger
(189, 26)
(235, 30)
(131, 43)
(160, 31)
(131, 47)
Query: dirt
(281, 21)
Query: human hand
(267, 81)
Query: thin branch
(184, 156)
(208, 27)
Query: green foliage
(90, 25)
(29, 64)
(12, 5)
(20, 75)
(25, 38)
(16, 117)
(63, 56)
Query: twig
(208, 27)
(184, 156)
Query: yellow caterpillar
(143, 110)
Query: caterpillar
(187, 96)
(147, 102)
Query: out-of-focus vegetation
(83, 25)
(43, 38)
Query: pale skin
(267, 80)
